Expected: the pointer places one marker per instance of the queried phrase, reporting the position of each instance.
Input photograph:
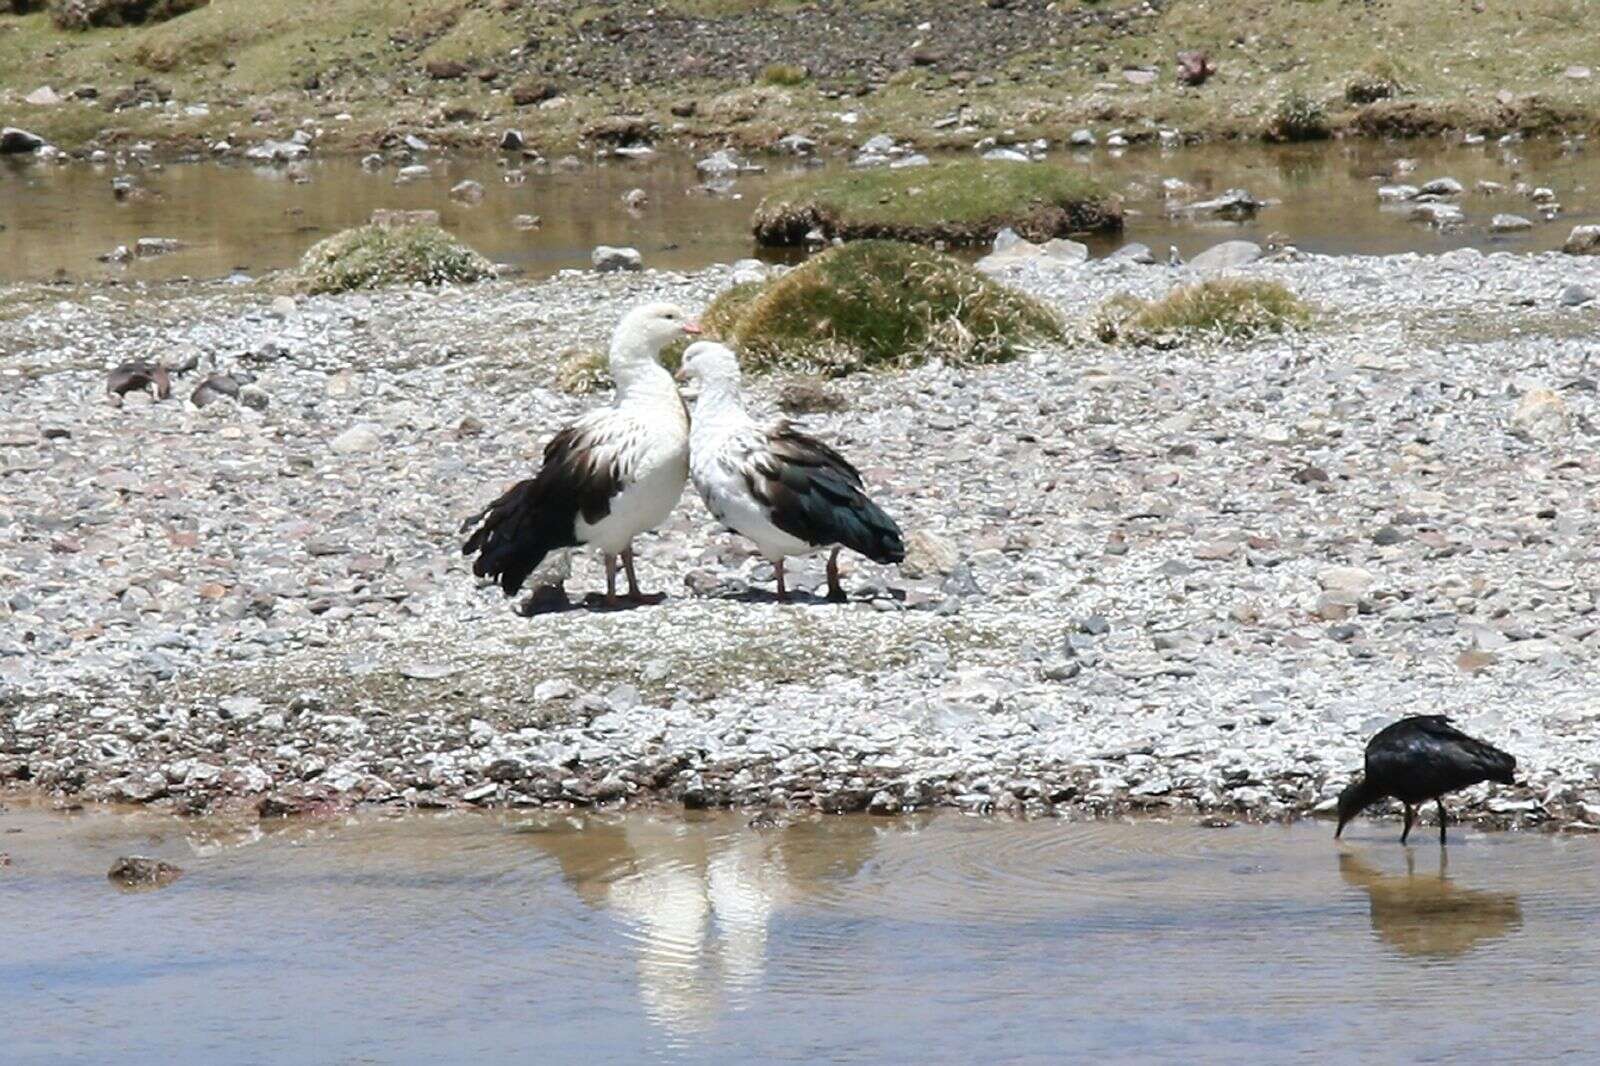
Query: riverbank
(361, 75)
(1195, 578)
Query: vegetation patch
(1298, 117)
(964, 202)
(1380, 79)
(783, 74)
(880, 304)
(1234, 308)
(370, 257)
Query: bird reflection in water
(1428, 915)
(699, 898)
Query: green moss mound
(964, 202)
(883, 304)
(1235, 308)
(371, 257)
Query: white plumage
(788, 492)
(611, 475)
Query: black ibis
(1420, 758)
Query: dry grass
(1233, 308)
(882, 304)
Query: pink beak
(692, 329)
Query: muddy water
(254, 219)
(699, 939)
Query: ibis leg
(835, 590)
(1442, 818)
(1411, 816)
(611, 579)
(783, 590)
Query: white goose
(611, 475)
(788, 492)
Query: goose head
(646, 330)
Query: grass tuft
(965, 202)
(1298, 117)
(370, 257)
(884, 304)
(1234, 308)
(1381, 78)
(785, 74)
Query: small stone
(1351, 579)
(1081, 138)
(609, 260)
(139, 871)
(356, 440)
(1388, 536)
(928, 554)
(1441, 187)
(1576, 295)
(14, 141)
(1540, 414)
(1096, 625)
(467, 192)
(555, 688)
(1583, 240)
(1509, 224)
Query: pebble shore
(1186, 577)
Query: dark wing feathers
(814, 494)
(1425, 756)
(539, 514)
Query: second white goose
(788, 492)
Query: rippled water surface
(254, 218)
(698, 939)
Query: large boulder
(85, 14)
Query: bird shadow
(546, 601)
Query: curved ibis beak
(692, 329)
(681, 375)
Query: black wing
(1425, 756)
(813, 493)
(538, 515)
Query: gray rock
(15, 141)
(608, 260)
(357, 440)
(139, 871)
(467, 192)
(414, 172)
(1006, 155)
(1134, 252)
(1082, 138)
(1441, 187)
(1234, 204)
(1583, 240)
(1540, 414)
(928, 555)
(796, 144)
(1225, 256)
(1576, 295)
(1442, 216)
(1509, 224)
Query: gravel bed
(1194, 576)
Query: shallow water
(254, 218)
(680, 938)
